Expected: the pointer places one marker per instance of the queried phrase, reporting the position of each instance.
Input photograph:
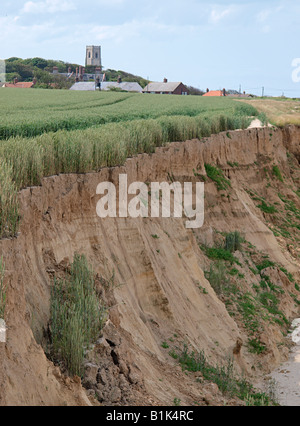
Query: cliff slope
(158, 286)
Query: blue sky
(207, 44)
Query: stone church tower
(93, 56)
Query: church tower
(93, 56)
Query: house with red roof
(20, 84)
(215, 92)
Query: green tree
(39, 63)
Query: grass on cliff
(217, 175)
(224, 251)
(2, 288)
(277, 173)
(9, 215)
(254, 301)
(223, 375)
(77, 316)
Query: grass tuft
(216, 175)
(9, 209)
(77, 316)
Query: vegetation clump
(256, 346)
(233, 241)
(77, 316)
(223, 375)
(9, 208)
(254, 305)
(219, 253)
(277, 173)
(267, 208)
(216, 175)
(217, 276)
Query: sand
(287, 376)
(257, 124)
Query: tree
(10, 77)
(17, 66)
(13, 59)
(43, 77)
(39, 63)
(194, 91)
(50, 81)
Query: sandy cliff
(155, 296)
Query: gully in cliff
(154, 200)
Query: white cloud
(12, 30)
(134, 29)
(263, 15)
(268, 16)
(48, 6)
(118, 33)
(110, 2)
(217, 14)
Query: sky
(207, 44)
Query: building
(107, 85)
(93, 59)
(64, 74)
(19, 84)
(215, 92)
(79, 74)
(93, 56)
(122, 85)
(166, 88)
(85, 86)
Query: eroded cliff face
(159, 292)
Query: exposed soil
(157, 295)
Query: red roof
(20, 85)
(214, 93)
